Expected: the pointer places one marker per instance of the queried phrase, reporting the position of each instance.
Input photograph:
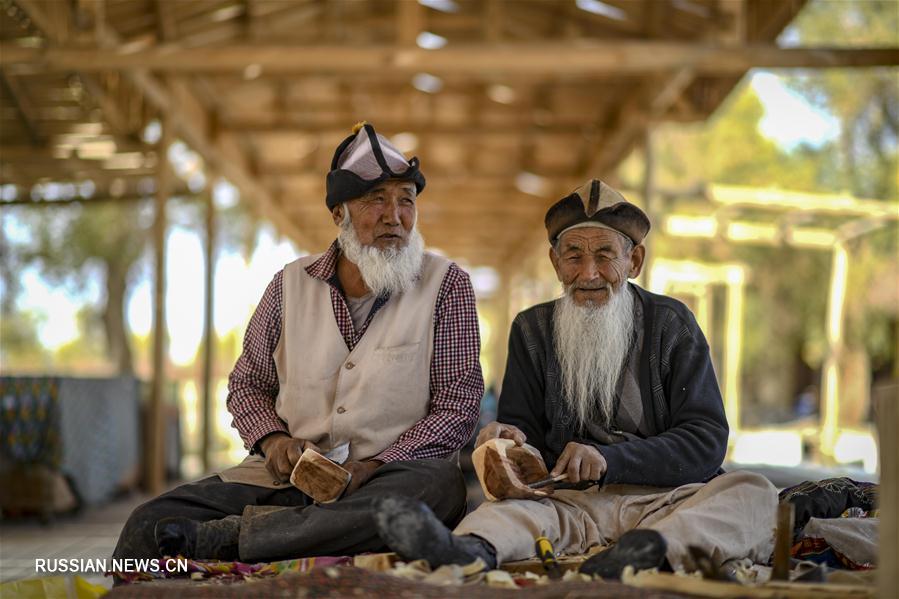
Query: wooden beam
(410, 19)
(783, 539)
(610, 150)
(289, 19)
(12, 87)
(190, 126)
(312, 126)
(113, 112)
(208, 329)
(93, 200)
(650, 202)
(166, 25)
(887, 418)
(39, 17)
(493, 20)
(155, 451)
(583, 58)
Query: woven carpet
(332, 583)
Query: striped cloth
(456, 382)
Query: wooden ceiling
(522, 101)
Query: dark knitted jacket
(682, 404)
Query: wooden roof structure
(508, 103)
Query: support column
(499, 333)
(155, 451)
(733, 343)
(649, 202)
(830, 385)
(208, 327)
(887, 415)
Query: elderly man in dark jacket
(614, 387)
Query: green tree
(73, 244)
(866, 101)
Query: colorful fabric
(234, 571)
(818, 550)
(456, 381)
(29, 424)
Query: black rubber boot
(641, 549)
(216, 539)
(177, 536)
(411, 529)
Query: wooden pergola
(508, 103)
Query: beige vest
(367, 397)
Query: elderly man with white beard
(614, 386)
(367, 353)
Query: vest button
(341, 410)
(350, 365)
(277, 483)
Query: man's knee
(751, 483)
(443, 477)
(439, 483)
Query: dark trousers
(284, 523)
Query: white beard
(592, 344)
(392, 270)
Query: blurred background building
(161, 160)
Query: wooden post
(649, 185)
(887, 416)
(499, 335)
(733, 345)
(830, 386)
(208, 327)
(155, 450)
(783, 541)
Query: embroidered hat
(363, 160)
(595, 204)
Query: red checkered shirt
(456, 382)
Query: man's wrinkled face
(593, 263)
(383, 217)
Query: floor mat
(353, 582)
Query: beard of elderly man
(382, 250)
(366, 353)
(613, 385)
(594, 319)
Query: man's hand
(580, 462)
(499, 430)
(282, 453)
(361, 472)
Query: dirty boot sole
(411, 529)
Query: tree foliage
(866, 101)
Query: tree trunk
(117, 345)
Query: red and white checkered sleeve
(457, 384)
(253, 384)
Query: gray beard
(592, 344)
(388, 271)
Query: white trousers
(732, 516)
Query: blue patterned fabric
(29, 421)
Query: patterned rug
(339, 582)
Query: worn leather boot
(216, 539)
(641, 548)
(411, 529)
